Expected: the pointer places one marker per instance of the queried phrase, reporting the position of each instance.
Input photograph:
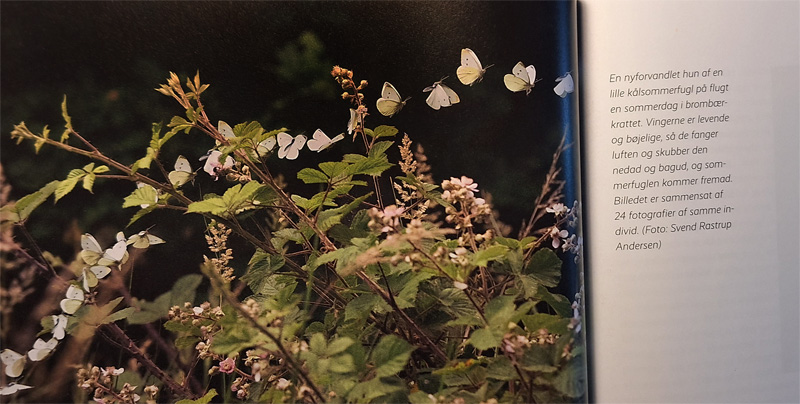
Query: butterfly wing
(182, 173)
(436, 97)
(41, 349)
(352, 123)
(565, 85)
(522, 78)
(13, 388)
(452, 97)
(290, 146)
(319, 141)
(390, 103)
(59, 326)
(14, 362)
(471, 69)
(225, 130)
(284, 141)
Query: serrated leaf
(138, 215)
(331, 217)
(146, 195)
(338, 346)
(374, 164)
(333, 168)
(374, 388)
(545, 267)
(361, 307)
(22, 209)
(67, 120)
(119, 315)
(202, 400)
(501, 368)
(260, 270)
(384, 131)
(482, 257)
(312, 176)
(88, 181)
(559, 303)
(66, 186)
(215, 206)
(391, 355)
(486, 338)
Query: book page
(690, 146)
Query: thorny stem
(118, 337)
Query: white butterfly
(92, 274)
(524, 78)
(59, 326)
(352, 123)
(12, 388)
(565, 85)
(441, 95)
(288, 146)
(390, 102)
(143, 240)
(320, 141)
(73, 300)
(182, 174)
(90, 249)
(225, 130)
(266, 146)
(117, 254)
(13, 361)
(471, 71)
(41, 349)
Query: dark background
(270, 61)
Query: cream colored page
(691, 156)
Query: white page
(702, 315)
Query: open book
(680, 121)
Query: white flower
(558, 209)
(557, 235)
(213, 166)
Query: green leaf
(482, 257)
(338, 346)
(331, 217)
(88, 181)
(66, 186)
(312, 176)
(202, 400)
(333, 168)
(146, 195)
(549, 322)
(571, 380)
(214, 205)
(486, 338)
(361, 306)
(391, 355)
(374, 388)
(20, 210)
(559, 303)
(384, 131)
(119, 315)
(260, 269)
(67, 121)
(500, 368)
(545, 267)
(138, 215)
